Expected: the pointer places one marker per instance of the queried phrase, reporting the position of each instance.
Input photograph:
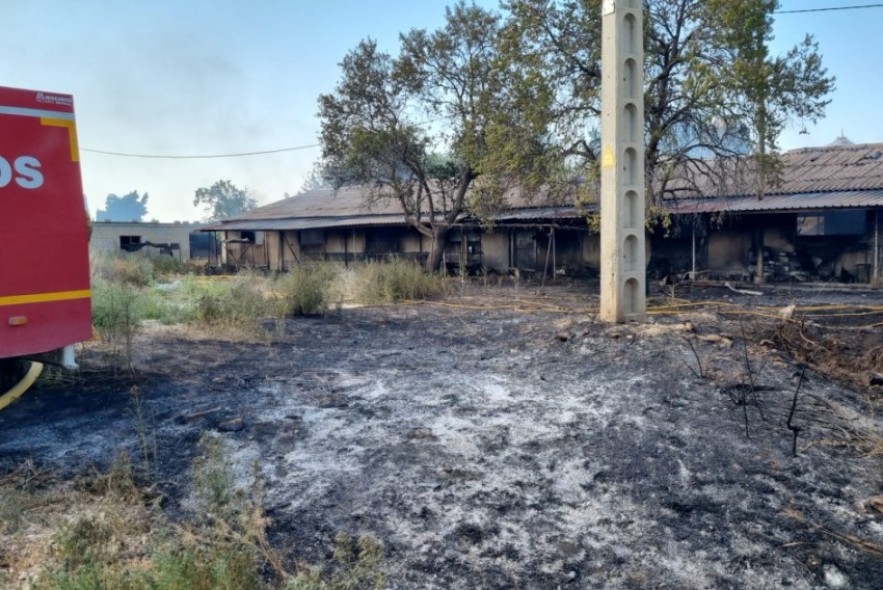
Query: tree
(711, 89)
(766, 91)
(223, 200)
(129, 207)
(416, 128)
(315, 179)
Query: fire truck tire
(11, 372)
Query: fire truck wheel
(11, 372)
(16, 376)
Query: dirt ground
(505, 438)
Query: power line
(211, 156)
(199, 156)
(828, 9)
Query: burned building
(180, 240)
(340, 226)
(819, 219)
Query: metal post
(554, 253)
(876, 243)
(623, 266)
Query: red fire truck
(45, 305)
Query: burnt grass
(508, 439)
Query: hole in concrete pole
(632, 291)
(631, 75)
(631, 209)
(631, 254)
(631, 122)
(630, 38)
(631, 162)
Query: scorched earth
(511, 440)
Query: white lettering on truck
(25, 170)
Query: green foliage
(236, 303)
(167, 304)
(517, 102)
(123, 269)
(214, 484)
(373, 130)
(223, 199)
(307, 289)
(710, 86)
(113, 307)
(85, 541)
(169, 265)
(125, 293)
(233, 520)
(223, 552)
(178, 564)
(766, 91)
(396, 280)
(222, 566)
(116, 315)
(90, 576)
(143, 428)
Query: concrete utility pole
(623, 267)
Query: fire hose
(22, 386)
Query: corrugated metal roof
(307, 223)
(836, 176)
(352, 202)
(742, 204)
(323, 202)
(796, 202)
(317, 209)
(831, 168)
(539, 213)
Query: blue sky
(849, 40)
(225, 76)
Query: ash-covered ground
(511, 440)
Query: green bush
(89, 576)
(307, 290)
(221, 565)
(167, 305)
(169, 265)
(116, 314)
(396, 280)
(122, 268)
(214, 485)
(87, 540)
(178, 565)
(114, 305)
(239, 302)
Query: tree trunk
(437, 247)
